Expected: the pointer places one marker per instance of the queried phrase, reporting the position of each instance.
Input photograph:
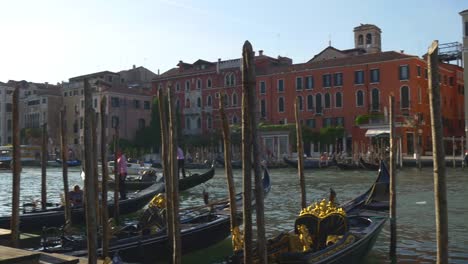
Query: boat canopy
(375, 132)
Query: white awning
(372, 132)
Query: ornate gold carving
(322, 209)
(333, 239)
(237, 239)
(350, 239)
(158, 201)
(304, 237)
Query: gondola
(36, 219)
(70, 163)
(142, 182)
(235, 164)
(200, 228)
(348, 166)
(367, 165)
(326, 232)
(308, 163)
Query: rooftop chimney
(217, 65)
(260, 52)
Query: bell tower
(367, 37)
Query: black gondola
(54, 217)
(197, 232)
(142, 182)
(327, 233)
(308, 163)
(235, 164)
(367, 165)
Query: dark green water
(415, 206)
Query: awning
(375, 132)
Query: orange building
(334, 87)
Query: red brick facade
(334, 83)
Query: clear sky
(52, 41)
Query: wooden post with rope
(235, 232)
(90, 191)
(300, 155)
(105, 175)
(44, 167)
(63, 153)
(392, 171)
(16, 171)
(440, 184)
(246, 158)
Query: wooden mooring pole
(44, 167)
(174, 174)
(90, 191)
(95, 166)
(300, 155)
(14, 222)
(246, 158)
(440, 185)
(393, 229)
(165, 152)
(453, 152)
(105, 175)
(248, 66)
(63, 154)
(235, 232)
(116, 176)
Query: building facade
(6, 127)
(128, 106)
(334, 88)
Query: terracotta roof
(347, 61)
(91, 75)
(464, 11)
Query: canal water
(415, 206)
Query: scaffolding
(451, 51)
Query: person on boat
(76, 196)
(181, 161)
(122, 170)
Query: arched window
(234, 99)
(226, 100)
(360, 98)
(141, 123)
(368, 38)
(209, 122)
(360, 40)
(208, 100)
(234, 119)
(233, 79)
(281, 104)
(375, 99)
(318, 103)
(208, 83)
(310, 102)
(199, 84)
(338, 100)
(198, 102)
(198, 122)
(300, 102)
(327, 100)
(404, 97)
(187, 85)
(187, 123)
(187, 103)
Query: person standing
(122, 170)
(180, 161)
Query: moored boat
(308, 163)
(36, 219)
(141, 182)
(326, 232)
(367, 165)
